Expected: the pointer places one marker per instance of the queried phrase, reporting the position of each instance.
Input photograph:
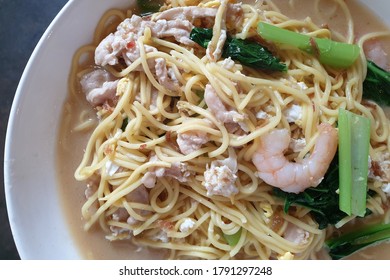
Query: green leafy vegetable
(149, 6)
(376, 86)
(323, 200)
(253, 55)
(232, 239)
(125, 123)
(354, 141)
(249, 53)
(347, 244)
(335, 54)
(201, 36)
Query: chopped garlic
(261, 115)
(302, 85)
(386, 188)
(187, 225)
(286, 256)
(293, 113)
(297, 145)
(111, 168)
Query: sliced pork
(191, 141)
(178, 171)
(234, 121)
(99, 86)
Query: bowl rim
(11, 128)
(9, 148)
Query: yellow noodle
(133, 150)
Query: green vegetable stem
(232, 239)
(332, 53)
(354, 141)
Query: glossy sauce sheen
(92, 244)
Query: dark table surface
(22, 23)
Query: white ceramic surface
(37, 220)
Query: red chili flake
(130, 45)
(143, 146)
(376, 168)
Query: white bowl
(37, 219)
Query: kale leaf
(376, 86)
(249, 53)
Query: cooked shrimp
(276, 170)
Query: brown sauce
(92, 244)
